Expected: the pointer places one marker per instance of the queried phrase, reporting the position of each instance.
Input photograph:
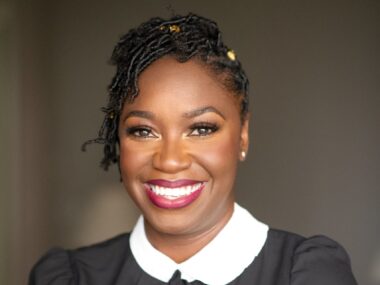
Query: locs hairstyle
(184, 38)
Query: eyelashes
(201, 129)
(141, 132)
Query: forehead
(166, 81)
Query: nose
(171, 156)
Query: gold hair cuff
(231, 55)
(174, 29)
(171, 28)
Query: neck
(180, 247)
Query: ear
(244, 139)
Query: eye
(141, 132)
(203, 129)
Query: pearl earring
(243, 155)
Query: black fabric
(285, 259)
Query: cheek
(132, 159)
(221, 157)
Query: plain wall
(313, 164)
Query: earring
(243, 155)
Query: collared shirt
(239, 242)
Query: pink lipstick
(173, 194)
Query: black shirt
(285, 259)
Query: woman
(177, 125)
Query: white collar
(222, 260)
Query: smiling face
(180, 143)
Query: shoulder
(321, 260)
(64, 267)
(314, 260)
(284, 239)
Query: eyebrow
(189, 115)
(200, 111)
(141, 114)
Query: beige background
(314, 161)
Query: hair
(184, 38)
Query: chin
(172, 222)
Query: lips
(173, 194)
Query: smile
(174, 193)
(181, 194)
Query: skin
(158, 140)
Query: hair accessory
(171, 28)
(231, 55)
(174, 28)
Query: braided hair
(184, 38)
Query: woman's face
(180, 143)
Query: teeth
(173, 193)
